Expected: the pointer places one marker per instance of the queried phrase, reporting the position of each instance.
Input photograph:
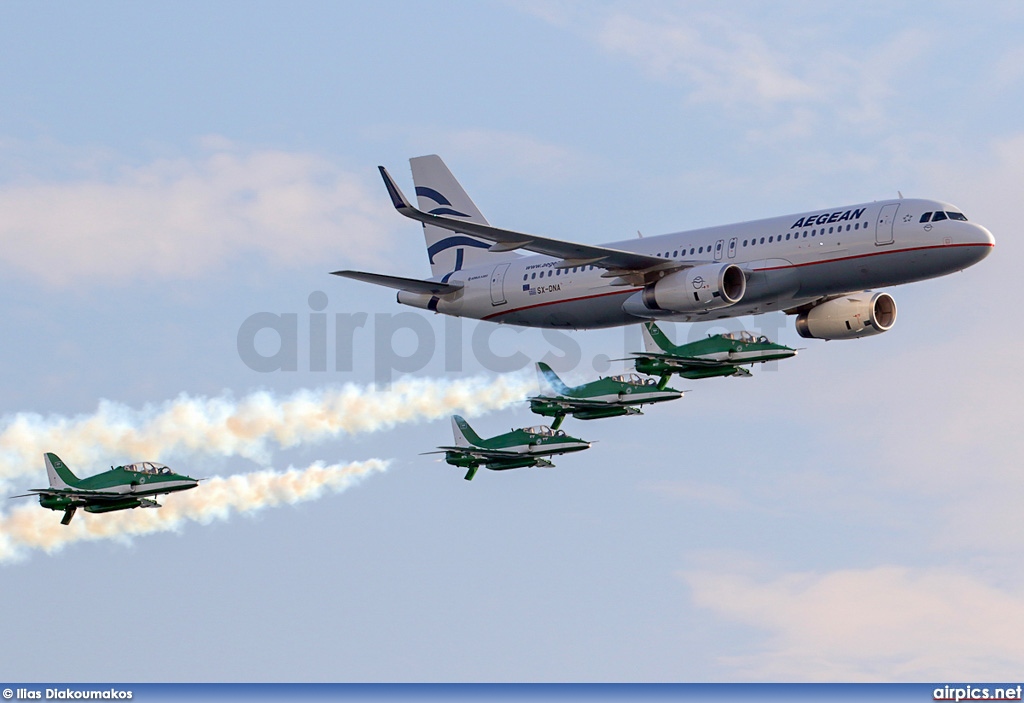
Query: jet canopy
(544, 431)
(634, 379)
(147, 467)
(745, 337)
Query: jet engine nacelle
(850, 317)
(416, 300)
(706, 287)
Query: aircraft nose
(985, 237)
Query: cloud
(721, 61)
(885, 623)
(800, 76)
(112, 222)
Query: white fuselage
(789, 261)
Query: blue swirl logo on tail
(440, 200)
(455, 241)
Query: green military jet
(605, 397)
(513, 450)
(718, 355)
(121, 488)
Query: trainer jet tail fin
(464, 434)
(655, 340)
(59, 474)
(548, 377)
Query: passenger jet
(819, 265)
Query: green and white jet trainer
(513, 450)
(606, 397)
(718, 355)
(120, 488)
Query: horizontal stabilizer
(412, 285)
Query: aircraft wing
(412, 285)
(577, 403)
(78, 495)
(482, 453)
(572, 254)
(674, 360)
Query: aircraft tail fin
(548, 377)
(655, 341)
(464, 434)
(439, 193)
(59, 474)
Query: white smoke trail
(30, 527)
(224, 426)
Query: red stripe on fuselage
(555, 302)
(874, 253)
(771, 268)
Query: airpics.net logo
(978, 693)
(409, 341)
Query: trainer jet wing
(611, 396)
(121, 488)
(718, 355)
(517, 449)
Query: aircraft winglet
(398, 198)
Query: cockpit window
(630, 378)
(147, 467)
(743, 336)
(949, 214)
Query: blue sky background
(169, 169)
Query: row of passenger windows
(940, 215)
(558, 272)
(796, 235)
(746, 242)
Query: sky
(172, 174)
